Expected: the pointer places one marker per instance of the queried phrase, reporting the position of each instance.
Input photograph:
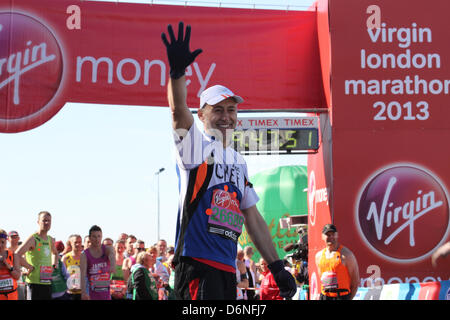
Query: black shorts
(198, 281)
(39, 291)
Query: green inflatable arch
(281, 193)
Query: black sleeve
(142, 292)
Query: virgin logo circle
(222, 199)
(403, 213)
(30, 66)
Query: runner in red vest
(9, 270)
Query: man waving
(216, 197)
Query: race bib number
(74, 281)
(6, 284)
(329, 280)
(45, 273)
(118, 286)
(225, 217)
(100, 282)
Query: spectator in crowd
(170, 251)
(131, 260)
(337, 267)
(59, 279)
(241, 276)
(129, 246)
(14, 239)
(172, 295)
(67, 248)
(97, 264)
(158, 268)
(72, 262)
(123, 236)
(442, 252)
(108, 242)
(251, 273)
(269, 289)
(9, 270)
(41, 254)
(162, 250)
(141, 285)
(118, 284)
(60, 248)
(14, 243)
(86, 242)
(139, 246)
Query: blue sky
(96, 164)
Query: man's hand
(285, 281)
(178, 52)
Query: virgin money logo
(403, 213)
(315, 196)
(222, 198)
(30, 66)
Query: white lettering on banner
(377, 281)
(407, 37)
(410, 211)
(404, 36)
(402, 60)
(73, 22)
(315, 196)
(374, 20)
(138, 73)
(20, 62)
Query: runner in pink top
(96, 264)
(98, 275)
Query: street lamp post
(158, 173)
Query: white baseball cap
(217, 93)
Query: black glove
(285, 281)
(178, 53)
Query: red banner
(55, 51)
(390, 66)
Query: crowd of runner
(42, 267)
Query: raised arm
(180, 57)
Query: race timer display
(284, 140)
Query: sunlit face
(220, 119)
(76, 244)
(263, 265)
(330, 238)
(129, 244)
(153, 253)
(162, 246)
(14, 240)
(123, 236)
(2, 244)
(96, 238)
(45, 222)
(120, 247)
(149, 260)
